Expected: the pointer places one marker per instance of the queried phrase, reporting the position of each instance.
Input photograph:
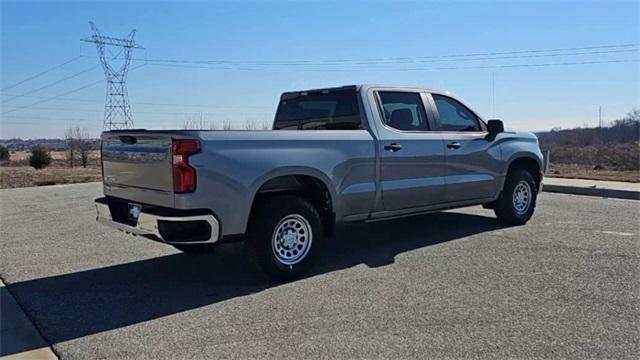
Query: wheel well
(529, 164)
(307, 187)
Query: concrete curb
(592, 191)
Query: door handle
(393, 147)
(454, 145)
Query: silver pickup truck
(352, 153)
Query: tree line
(622, 131)
(78, 145)
(615, 147)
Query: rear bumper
(149, 224)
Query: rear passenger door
(472, 162)
(411, 158)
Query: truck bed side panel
(233, 165)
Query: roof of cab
(365, 87)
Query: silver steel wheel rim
(522, 197)
(291, 239)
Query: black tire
(298, 221)
(195, 248)
(504, 207)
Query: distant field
(57, 156)
(17, 172)
(25, 176)
(577, 171)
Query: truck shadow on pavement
(79, 304)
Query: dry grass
(577, 171)
(21, 158)
(17, 172)
(26, 176)
(610, 162)
(622, 157)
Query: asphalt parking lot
(446, 285)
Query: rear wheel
(195, 248)
(285, 235)
(518, 199)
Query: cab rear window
(334, 110)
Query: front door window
(453, 116)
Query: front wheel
(518, 199)
(285, 236)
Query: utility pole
(493, 94)
(600, 116)
(117, 111)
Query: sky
(269, 47)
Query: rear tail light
(184, 176)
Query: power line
(524, 56)
(61, 95)
(392, 62)
(57, 81)
(43, 118)
(58, 109)
(521, 65)
(89, 119)
(205, 106)
(515, 52)
(407, 58)
(53, 83)
(53, 97)
(42, 73)
(529, 65)
(44, 97)
(156, 104)
(357, 61)
(140, 112)
(318, 67)
(405, 69)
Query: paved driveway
(446, 285)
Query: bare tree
(198, 122)
(257, 125)
(71, 145)
(250, 125)
(79, 144)
(634, 115)
(247, 124)
(85, 145)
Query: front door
(472, 163)
(411, 158)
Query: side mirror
(494, 127)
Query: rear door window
(403, 110)
(334, 110)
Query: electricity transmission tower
(117, 111)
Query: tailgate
(137, 167)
